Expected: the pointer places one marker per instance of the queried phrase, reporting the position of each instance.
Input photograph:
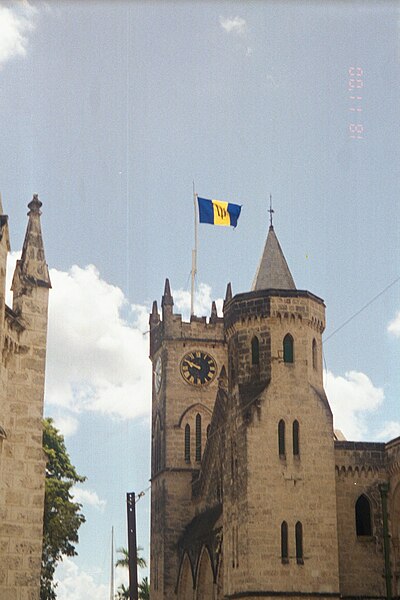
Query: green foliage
(143, 587)
(124, 560)
(122, 593)
(62, 516)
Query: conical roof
(273, 271)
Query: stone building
(253, 494)
(23, 330)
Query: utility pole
(132, 547)
(384, 490)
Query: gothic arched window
(288, 349)
(284, 543)
(363, 516)
(281, 438)
(187, 443)
(299, 543)
(296, 439)
(198, 438)
(314, 354)
(157, 446)
(255, 351)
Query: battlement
(274, 303)
(171, 326)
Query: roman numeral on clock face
(198, 367)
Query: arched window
(299, 543)
(187, 443)
(255, 351)
(296, 439)
(363, 516)
(284, 543)
(198, 438)
(281, 438)
(157, 446)
(288, 350)
(314, 354)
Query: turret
(31, 276)
(167, 301)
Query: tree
(143, 587)
(62, 516)
(124, 560)
(122, 593)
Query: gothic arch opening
(205, 577)
(296, 438)
(198, 437)
(255, 351)
(185, 583)
(314, 354)
(281, 438)
(187, 443)
(288, 349)
(299, 543)
(363, 516)
(284, 543)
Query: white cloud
(390, 430)
(351, 397)
(66, 424)
(97, 361)
(202, 302)
(233, 25)
(394, 326)
(75, 584)
(15, 23)
(87, 497)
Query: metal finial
(271, 211)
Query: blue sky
(109, 111)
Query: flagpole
(194, 255)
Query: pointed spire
(167, 299)
(214, 313)
(228, 295)
(273, 271)
(32, 266)
(154, 315)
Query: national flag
(218, 212)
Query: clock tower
(187, 358)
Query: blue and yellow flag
(218, 212)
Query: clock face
(158, 374)
(198, 368)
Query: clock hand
(191, 364)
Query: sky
(110, 111)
